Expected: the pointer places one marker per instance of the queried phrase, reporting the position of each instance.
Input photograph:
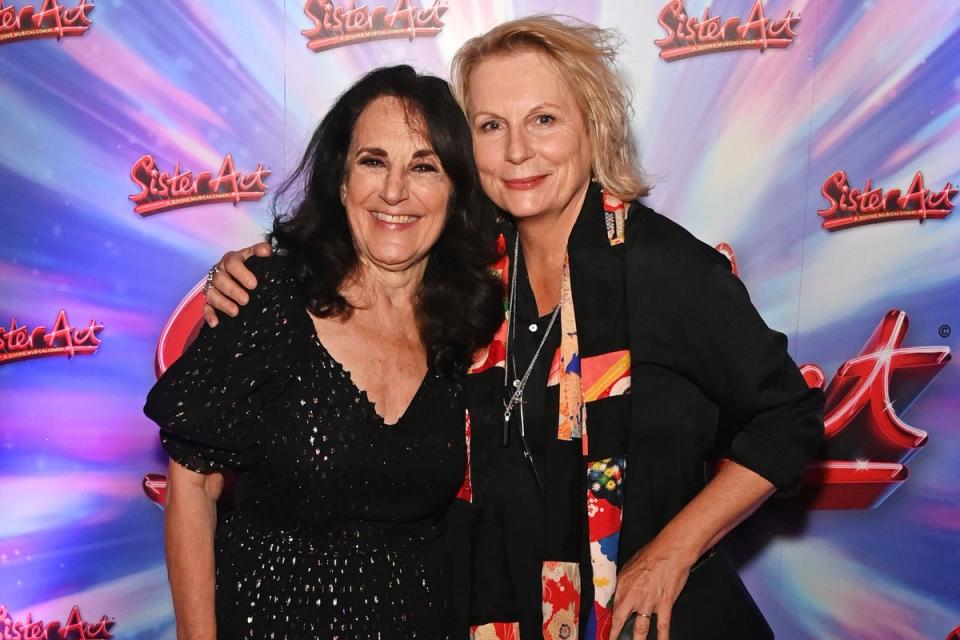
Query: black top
(337, 526)
(524, 514)
(709, 380)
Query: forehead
(388, 122)
(517, 80)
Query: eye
(491, 125)
(426, 167)
(544, 118)
(370, 161)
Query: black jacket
(709, 380)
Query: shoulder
(274, 269)
(665, 239)
(276, 295)
(662, 248)
(276, 276)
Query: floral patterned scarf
(592, 370)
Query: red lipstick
(524, 184)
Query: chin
(394, 260)
(520, 206)
(524, 211)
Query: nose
(518, 147)
(394, 187)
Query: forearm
(190, 522)
(733, 494)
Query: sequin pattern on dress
(336, 528)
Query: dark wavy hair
(459, 304)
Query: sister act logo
(866, 442)
(163, 191)
(51, 20)
(334, 26)
(689, 36)
(851, 206)
(19, 342)
(75, 628)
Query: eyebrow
(483, 114)
(536, 107)
(546, 105)
(377, 151)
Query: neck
(544, 236)
(389, 293)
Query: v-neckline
(362, 392)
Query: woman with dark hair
(335, 394)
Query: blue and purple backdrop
(746, 135)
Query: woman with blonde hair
(631, 360)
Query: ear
(343, 191)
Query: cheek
(488, 182)
(439, 208)
(485, 157)
(487, 166)
(493, 188)
(485, 154)
(434, 198)
(359, 224)
(564, 149)
(436, 229)
(357, 188)
(355, 196)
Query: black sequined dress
(337, 527)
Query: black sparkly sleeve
(209, 401)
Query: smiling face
(395, 190)
(529, 135)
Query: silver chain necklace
(520, 384)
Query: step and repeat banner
(815, 142)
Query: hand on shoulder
(228, 289)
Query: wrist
(686, 547)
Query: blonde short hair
(585, 55)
